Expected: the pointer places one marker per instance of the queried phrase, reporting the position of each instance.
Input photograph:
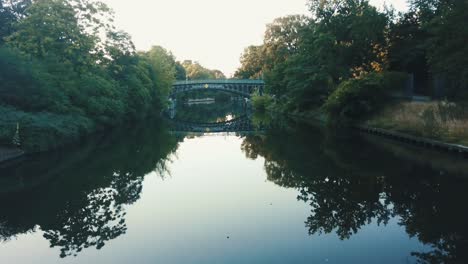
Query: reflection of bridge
(240, 87)
(240, 124)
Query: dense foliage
(355, 98)
(261, 103)
(304, 60)
(194, 71)
(66, 71)
(358, 98)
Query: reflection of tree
(346, 212)
(349, 184)
(318, 181)
(432, 209)
(102, 219)
(83, 203)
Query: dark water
(292, 193)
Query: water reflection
(81, 201)
(212, 112)
(79, 198)
(231, 116)
(349, 183)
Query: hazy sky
(212, 32)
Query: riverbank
(426, 157)
(450, 122)
(44, 132)
(435, 120)
(420, 141)
(40, 132)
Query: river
(285, 192)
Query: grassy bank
(444, 121)
(438, 120)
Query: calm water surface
(292, 193)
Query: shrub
(261, 102)
(42, 131)
(357, 98)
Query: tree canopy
(305, 59)
(194, 71)
(64, 59)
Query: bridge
(240, 124)
(240, 87)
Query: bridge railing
(218, 81)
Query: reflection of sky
(187, 216)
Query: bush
(261, 102)
(42, 131)
(357, 98)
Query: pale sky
(212, 32)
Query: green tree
(304, 59)
(181, 73)
(407, 49)
(280, 43)
(218, 74)
(10, 13)
(251, 63)
(66, 71)
(162, 72)
(447, 51)
(194, 71)
(53, 28)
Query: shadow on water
(78, 199)
(350, 182)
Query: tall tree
(10, 13)
(52, 28)
(407, 51)
(281, 41)
(181, 73)
(195, 71)
(163, 71)
(251, 63)
(445, 21)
